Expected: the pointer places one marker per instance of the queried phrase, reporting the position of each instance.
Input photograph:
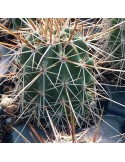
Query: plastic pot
(115, 104)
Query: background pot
(24, 133)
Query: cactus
(117, 42)
(57, 76)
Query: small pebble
(5, 102)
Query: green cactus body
(59, 76)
